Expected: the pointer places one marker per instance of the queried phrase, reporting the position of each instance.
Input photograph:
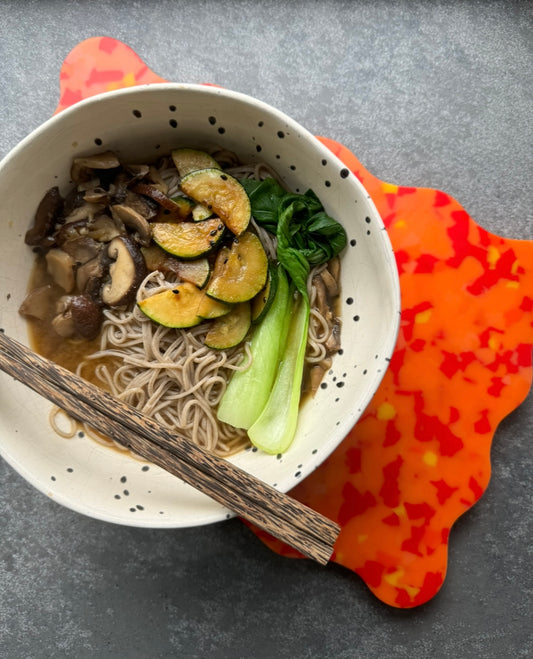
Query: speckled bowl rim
(345, 424)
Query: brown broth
(43, 338)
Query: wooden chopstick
(282, 516)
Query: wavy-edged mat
(420, 455)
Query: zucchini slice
(188, 240)
(175, 307)
(222, 194)
(184, 204)
(209, 308)
(157, 259)
(262, 301)
(196, 272)
(189, 160)
(231, 329)
(201, 212)
(240, 271)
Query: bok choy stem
(274, 430)
(247, 392)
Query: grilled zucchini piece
(222, 194)
(189, 160)
(231, 329)
(240, 271)
(175, 307)
(262, 301)
(188, 240)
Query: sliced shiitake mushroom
(153, 192)
(82, 249)
(137, 171)
(330, 283)
(48, 210)
(73, 199)
(71, 231)
(62, 321)
(158, 180)
(90, 275)
(87, 316)
(87, 211)
(82, 168)
(60, 266)
(145, 206)
(77, 315)
(334, 267)
(97, 195)
(104, 228)
(135, 221)
(333, 342)
(37, 303)
(126, 272)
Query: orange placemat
(420, 455)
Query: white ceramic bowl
(144, 122)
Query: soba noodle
(168, 374)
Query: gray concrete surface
(437, 94)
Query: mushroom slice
(87, 211)
(126, 272)
(134, 221)
(48, 210)
(37, 303)
(137, 171)
(120, 187)
(104, 228)
(145, 206)
(89, 276)
(82, 249)
(89, 185)
(73, 200)
(330, 283)
(334, 267)
(62, 321)
(71, 231)
(87, 316)
(321, 299)
(158, 180)
(333, 342)
(82, 168)
(153, 192)
(73, 239)
(97, 195)
(60, 266)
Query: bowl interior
(139, 124)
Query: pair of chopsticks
(280, 515)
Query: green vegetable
(306, 237)
(262, 301)
(274, 430)
(222, 194)
(230, 329)
(248, 391)
(300, 217)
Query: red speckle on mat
(108, 45)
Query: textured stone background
(437, 94)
